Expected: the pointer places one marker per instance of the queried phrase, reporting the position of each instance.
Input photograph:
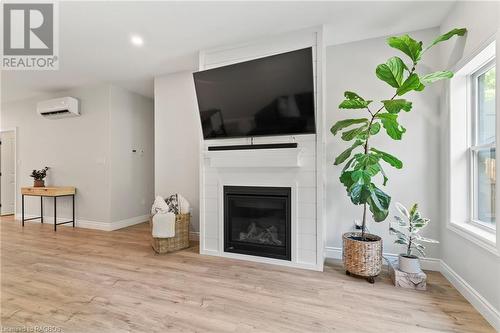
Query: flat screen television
(263, 97)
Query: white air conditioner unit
(58, 108)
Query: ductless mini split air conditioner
(58, 108)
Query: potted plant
(406, 229)
(362, 252)
(39, 177)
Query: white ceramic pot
(409, 264)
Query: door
(7, 172)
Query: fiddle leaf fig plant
(364, 163)
(406, 228)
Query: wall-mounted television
(262, 97)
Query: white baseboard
(129, 222)
(429, 264)
(88, 224)
(488, 311)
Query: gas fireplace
(257, 221)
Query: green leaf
(420, 87)
(424, 239)
(390, 159)
(446, 36)
(407, 45)
(372, 169)
(353, 101)
(359, 193)
(420, 223)
(353, 104)
(346, 153)
(395, 231)
(411, 83)
(436, 76)
(413, 211)
(401, 241)
(348, 164)
(391, 72)
(352, 95)
(375, 128)
(346, 123)
(366, 160)
(361, 176)
(384, 176)
(391, 125)
(379, 202)
(402, 210)
(364, 175)
(400, 221)
(346, 179)
(351, 134)
(396, 105)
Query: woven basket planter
(179, 241)
(363, 258)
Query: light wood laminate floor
(83, 280)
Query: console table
(53, 192)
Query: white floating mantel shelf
(254, 158)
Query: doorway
(7, 172)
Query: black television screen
(267, 96)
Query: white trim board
(88, 224)
(488, 311)
(16, 139)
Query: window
(483, 149)
(472, 150)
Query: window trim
(472, 111)
(459, 185)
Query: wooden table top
(51, 191)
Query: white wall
(177, 139)
(131, 127)
(478, 267)
(352, 67)
(91, 152)
(75, 149)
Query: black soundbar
(257, 146)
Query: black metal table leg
(22, 210)
(41, 208)
(73, 210)
(55, 213)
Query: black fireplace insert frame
(261, 250)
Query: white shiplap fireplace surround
(300, 169)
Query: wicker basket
(179, 241)
(363, 258)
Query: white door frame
(13, 129)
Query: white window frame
(459, 160)
(473, 106)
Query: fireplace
(257, 221)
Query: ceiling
(95, 36)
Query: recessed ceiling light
(136, 40)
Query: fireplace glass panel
(257, 221)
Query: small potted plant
(406, 227)
(39, 177)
